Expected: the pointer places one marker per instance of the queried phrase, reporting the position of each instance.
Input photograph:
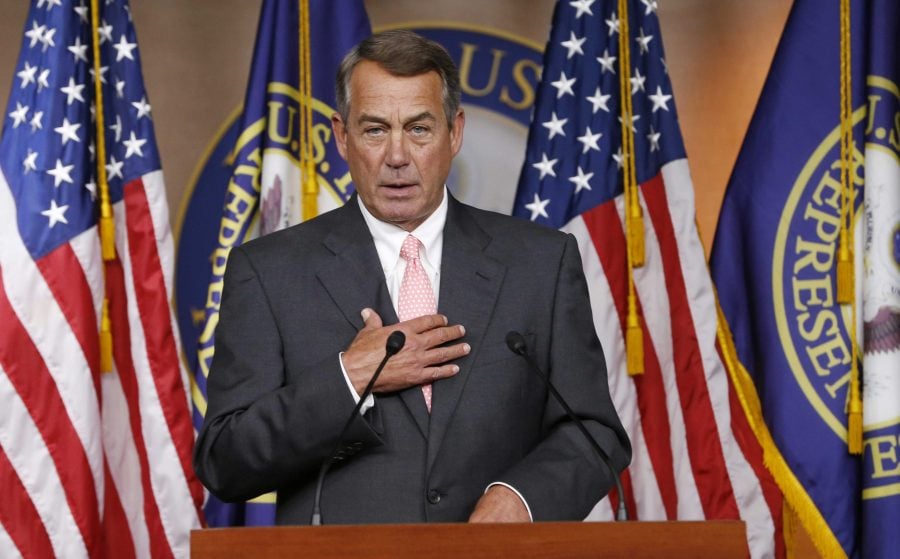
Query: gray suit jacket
(277, 398)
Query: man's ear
(456, 135)
(340, 134)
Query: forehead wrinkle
(424, 115)
(365, 117)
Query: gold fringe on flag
(799, 507)
(107, 225)
(634, 222)
(846, 275)
(789, 522)
(309, 184)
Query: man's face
(397, 143)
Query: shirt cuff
(516, 491)
(369, 402)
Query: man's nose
(398, 150)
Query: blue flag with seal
(284, 166)
(824, 346)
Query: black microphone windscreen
(395, 342)
(516, 343)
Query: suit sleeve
(562, 478)
(261, 432)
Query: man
(459, 427)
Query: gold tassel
(844, 273)
(636, 237)
(854, 414)
(634, 344)
(107, 225)
(845, 255)
(310, 194)
(106, 346)
(854, 430)
(634, 224)
(107, 238)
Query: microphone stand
(394, 344)
(516, 343)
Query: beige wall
(196, 55)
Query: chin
(393, 212)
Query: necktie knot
(409, 251)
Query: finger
(442, 335)
(425, 323)
(445, 354)
(431, 374)
(371, 318)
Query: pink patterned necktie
(416, 294)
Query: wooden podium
(556, 540)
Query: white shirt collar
(389, 237)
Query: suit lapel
(470, 284)
(354, 281)
(353, 277)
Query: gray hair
(401, 53)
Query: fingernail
(467, 348)
(455, 369)
(462, 330)
(365, 314)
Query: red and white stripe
(699, 459)
(94, 464)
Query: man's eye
(374, 132)
(419, 130)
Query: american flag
(91, 464)
(696, 454)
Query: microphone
(516, 343)
(393, 346)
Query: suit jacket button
(434, 497)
